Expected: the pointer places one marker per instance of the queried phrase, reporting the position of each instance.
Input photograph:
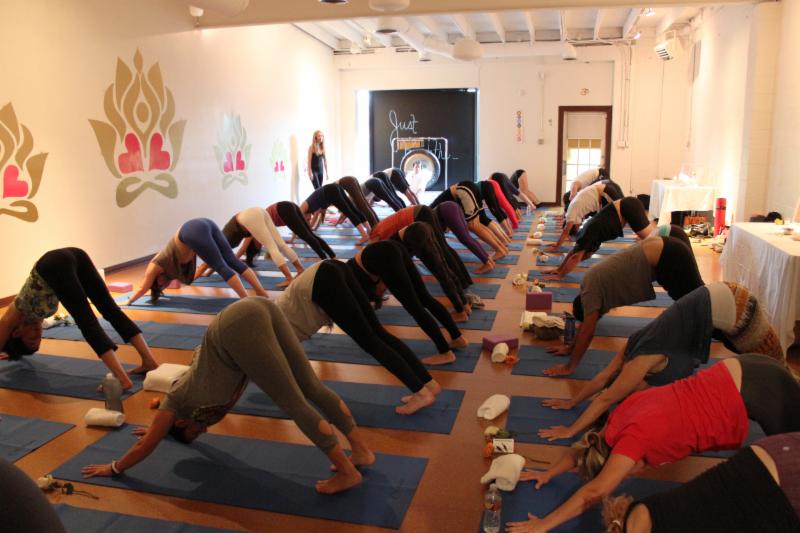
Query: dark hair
(577, 308)
(252, 251)
(602, 173)
(517, 173)
(772, 216)
(178, 433)
(15, 348)
(155, 291)
(566, 199)
(498, 176)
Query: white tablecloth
(767, 264)
(667, 196)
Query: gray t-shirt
(622, 278)
(305, 316)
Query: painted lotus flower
(232, 151)
(140, 143)
(21, 172)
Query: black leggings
(378, 188)
(335, 196)
(353, 190)
(337, 292)
(390, 261)
(316, 179)
(387, 181)
(295, 221)
(398, 179)
(419, 239)
(74, 278)
(423, 213)
(676, 269)
(771, 395)
(632, 211)
(489, 196)
(508, 189)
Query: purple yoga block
(120, 286)
(539, 301)
(493, 340)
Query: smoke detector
(424, 56)
(387, 25)
(569, 52)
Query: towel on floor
(500, 352)
(162, 378)
(494, 406)
(103, 417)
(505, 471)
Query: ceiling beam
(531, 24)
(320, 34)
(345, 30)
(498, 26)
(463, 25)
(598, 22)
(630, 22)
(670, 17)
(434, 27)
(369, 26)
(562, 25)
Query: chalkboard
(449, 113)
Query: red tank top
(273, 213)
(389, 226)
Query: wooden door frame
(564, 109)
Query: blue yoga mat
(568, 294)
(527, 499)
(554, 261)
(603, 250)
(341, 253)
(372, 406)
(514, 247)
(553, 237)
(620, 326)
(268, 282)
(258, 474)
(157, 334)
(527, 415)
(343, 349)
(61, 376)
(395, 315)
(499, 272)
(486, 291)
(182, 303)
(573, 277)
(20, 435)
(533, 360)
(77, 520)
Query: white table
(667, 196)
(768, 264)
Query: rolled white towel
(505, 471)
(103, 417)
(535, 242)
(537, 234)
(494, 406)
(162, 378)
(500, 352)
(540, 227)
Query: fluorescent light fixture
(648, 12)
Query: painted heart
(12, 186)
(131, 161)
(282, 169)
(239, 161)
(228, 165)
(276, 166)
(159, 159)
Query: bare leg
(298, 266)
(507, 227)
(487, 236)
(286, 274)
(495, 228)
(236, 284)
(148, 361)
(417, 401)
(364, 234)
(109, 358)
(346, 476)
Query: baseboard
(126, 264)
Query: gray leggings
(265, 347)
(771, 395)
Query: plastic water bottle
(112, 389)
(569, 328)
(492, 504)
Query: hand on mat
(541, 477)
(558, 370)
(555, 433)
(97, 470)
(139, 432)
(555, 403)
(551, 248)
(532, 525)
(552, 275)
(558, 350)
(3, 356)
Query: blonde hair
(319, 147)
(615, 511)
(591, 453)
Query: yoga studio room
(424, 266)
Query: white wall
(58, 59)
(784, 177)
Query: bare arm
(564, 464)
(243, 248)
(593, 387)
(308, 166)
(796, 216)
(325, 164)
(561, 238)
(582, 341)
(141, 449)
(569, 263)
(8, 322)
(150, 274)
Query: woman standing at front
(317, 163)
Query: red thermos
(719, 216)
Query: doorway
(584, 142)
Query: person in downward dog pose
(288, 214)
(314, 207)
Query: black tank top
(317, 163)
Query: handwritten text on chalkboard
(407, 126)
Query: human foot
(284, 283)
(460, 317)
(484, 268)
(432, 386)
(440, 359)
(418, 401)
(459, 342)
(359, 458)
(340, 482)
(144, 368)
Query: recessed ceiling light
(333, 1)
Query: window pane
(595, 157)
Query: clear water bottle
(492, 504)
(112, 389)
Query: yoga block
(493, 340)
(174, 284)
(538, 301)
(120, 286)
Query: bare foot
(418, 401)
(459, 342)
(484, 268)
(340, 482)
(359, 458)
(432, 386)
(284, 283)
(144, 368)
(440, 359)
(500, 254)
(361, 241)
(468, 309)
(460, 317)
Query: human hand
(558, 350)
(555, 433)
(139, 432)
(555, 403)
(532, 525)
(558, 370)
(97, 470)
(4, 356)
(541, 477)
(551, 248)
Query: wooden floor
(449, 497)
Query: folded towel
(103, 417)
(162, 378)
(535, 242)
(505, 471)
(494, 406)
(537, 234)
(500, 352)
(540, 227)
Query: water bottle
(492, 503)
(569, 328)
(112, 389)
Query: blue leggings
(207, 241)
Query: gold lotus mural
(141, 142)
(232, 151)
(22, 172)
